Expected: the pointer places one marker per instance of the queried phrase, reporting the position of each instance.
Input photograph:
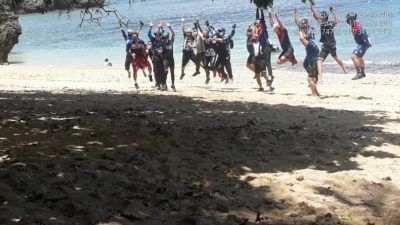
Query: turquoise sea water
(55, 40)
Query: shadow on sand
(141, 159)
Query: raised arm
(158, 36)
(150, 33)
(303, 38)
(278, 20)
(257, 14)
(233, 32)
(172, 31)
(315, 13)
(123, 32)
(141, 27)
(183, 25)
(271, 20)
(198, 26)
(296, 19)
(262, 19)
(333, 11)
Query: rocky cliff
(10, 29)
(42, 6)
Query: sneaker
(182, 76)
(271, 89)
(173, 88)
(164, 87)
(358, 76)
(196, 73)
(207, 80)
(151, 78)
(260, 89)
(136, 86)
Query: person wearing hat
(327, 38)
(188, 45)
(363, 44)
(307, 38)
(282, 33)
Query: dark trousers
(267, 54)
(159, 72)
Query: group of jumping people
(210, 48)
(259, 47)
(207, 48)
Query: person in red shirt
(363, 44)
(287, 48)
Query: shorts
(128, 62)
(169, 63)
(326, 50)
(140, 63)
(360, 50)
(250, 59)
(260, 64)
(187, 56)
(288, 53)
(311, 68)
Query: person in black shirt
(327, 38)
(188, 45)
(168, 51)
(222, 48)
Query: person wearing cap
(188, 45)
(283, 36)
(327, 38)
(168, 51)
(363, 44)
(307, 38)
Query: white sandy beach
(206, 154)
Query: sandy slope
(95, 150)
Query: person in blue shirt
(262, 34)
(363, 44)
(157, 57)
(138, 53)
(128, 37)
(307, 38)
